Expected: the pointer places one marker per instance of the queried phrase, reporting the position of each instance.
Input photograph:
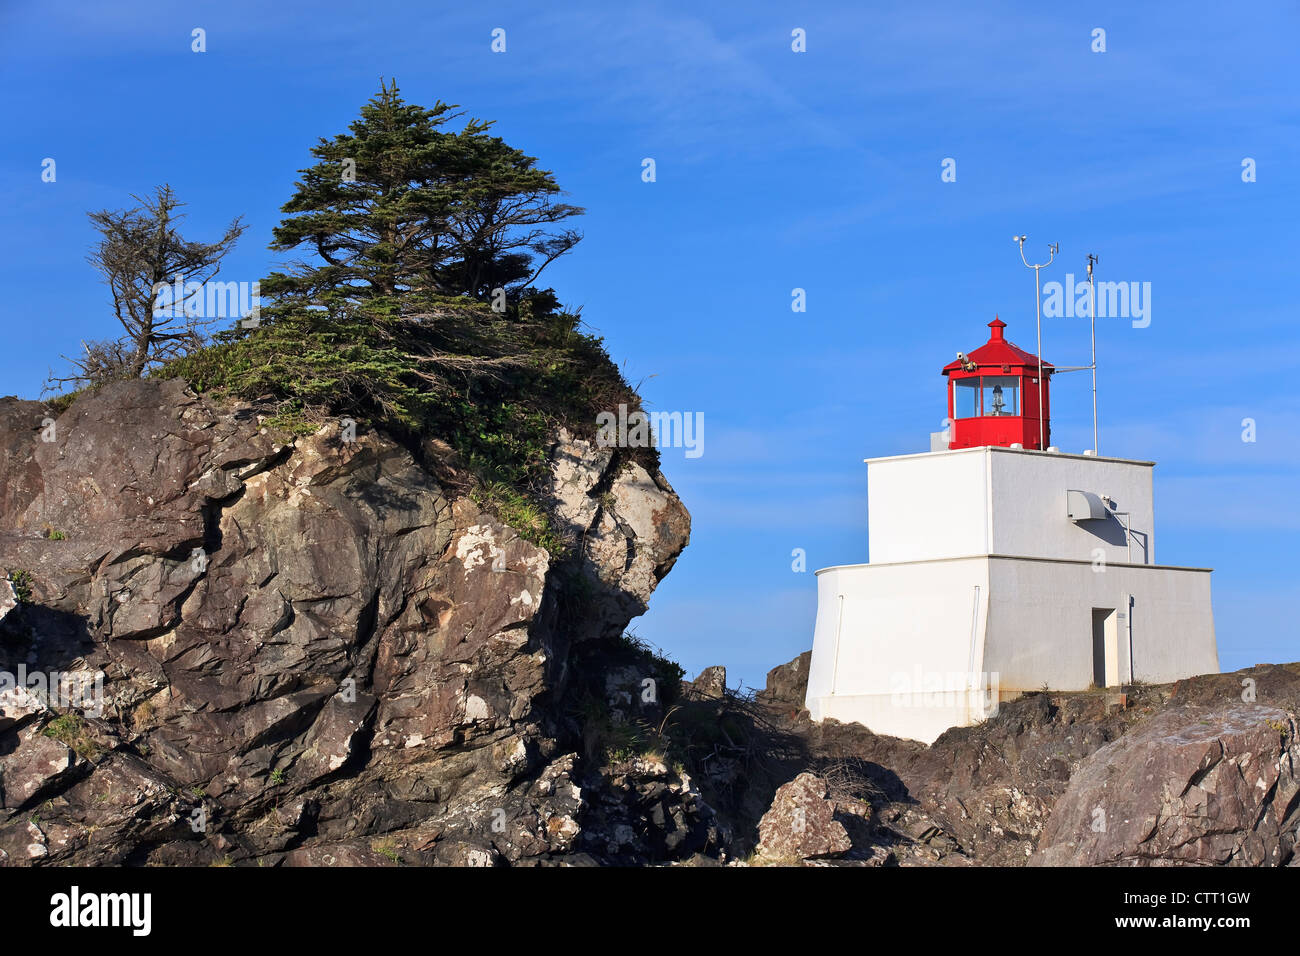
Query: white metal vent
(1084, 506)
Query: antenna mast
(1038, 307)
(1092, 298)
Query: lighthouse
(998, 565)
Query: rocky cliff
(223, 644)
(261, 648)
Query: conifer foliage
(400, 204)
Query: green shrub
(22, 585)
(70, 730)
(528, 518)
(494, 387)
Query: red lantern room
(993, 396)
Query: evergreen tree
(399, 204)
(500, 226)
(415, 229)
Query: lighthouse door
(1105, 647)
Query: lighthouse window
(1001, 395)
(966, 397)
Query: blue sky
(775, 170)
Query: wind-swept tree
(399, 204)
(409, 229)
(501, 226)
(143, 257)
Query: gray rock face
(629, 526)
(1191, 786)
(310, 653)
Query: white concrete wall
(890, 638)
(1029, 513)
(993, 500)
(895, 645)
(927, 506)
(1040, 623)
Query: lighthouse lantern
(993, 396)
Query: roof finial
(997, 325)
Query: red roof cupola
(993, 395)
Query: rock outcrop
(1194, 785)
(710, 684)
(307, 652)
(1203, 771)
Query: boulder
(1193, 785)
(800, 824)
(35, 768)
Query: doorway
(1105, 646)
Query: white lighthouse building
(1000, 565)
